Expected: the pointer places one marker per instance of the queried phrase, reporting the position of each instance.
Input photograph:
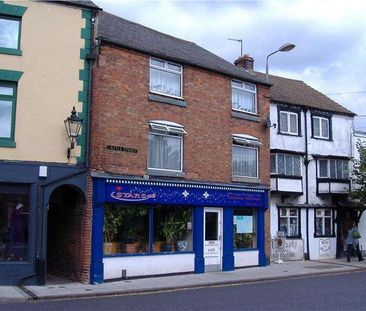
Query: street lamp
(72, 125)
(284, 48)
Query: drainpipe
(307, 257)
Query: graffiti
(324, 248)
(292, 250)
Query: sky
(330, 37)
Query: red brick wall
(121, 114)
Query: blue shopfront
(153, 227)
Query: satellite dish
(269, 123)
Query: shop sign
(121, 149)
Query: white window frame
(166, 128)
(288, 216)
(321, 127)
(245, 90)
(343, 162)
(246, 142)
(286, 155)
(323, 217)
(166, 69)
(288, 131)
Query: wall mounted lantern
(73, 126)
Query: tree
(359, 179)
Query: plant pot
(110, 248)
(169, 247)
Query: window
(8, 93)
(324, 222)
(244, 96)
(289, 123)
(14, 217)
(127, 229)
(165, 146)
(245, 228)
(245, 156)
(9, 32)
(166, 78)
(286, 164)
(321, 127)
(289, 222)
(333, 168)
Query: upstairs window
(7, 111)
(286, 164)
(244, 96)
(166, 146)
(166, 78)
(321, 128)
(289, 123)
(245, 156)
(335, 169)
(9, 32)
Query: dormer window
(166, 146)
(166, 78)
(245, 156)
(244, 96)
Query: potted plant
(113, 218)
(173, 228)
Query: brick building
(179, 157)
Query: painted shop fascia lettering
(194, 253)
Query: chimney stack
(246, 62)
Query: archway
(64, 251)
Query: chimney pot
(246, 62)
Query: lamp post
(73, 126)
(284, 48)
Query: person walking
(352, 243)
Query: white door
(213, 239)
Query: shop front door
(213, 239)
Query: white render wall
(147, 265)
(341, 145)
(246, 258)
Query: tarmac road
(345, 291)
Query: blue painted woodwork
(199, 260)
(228, 239)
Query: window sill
(297, 237)
(246, 179)
(10, 51)
(7, 143)
(324, 236)
(245, 116)
(321, 138)
(167, 100)
(153, 172)
(288, 134)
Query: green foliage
(113, 219)
(243, 240)
(175, 226)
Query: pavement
(63, 289)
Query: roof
(124, 33)
(296, 92)
(78, 3)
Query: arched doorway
(64, 251)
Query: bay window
(333, 168)
(286, 164)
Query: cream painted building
(44, 73)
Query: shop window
(166, 78)
(172, 229)
(245, 156)
(245, 228)
(324, 222)
(165, 146)
(127, 229)
(289, 222)
(14, 222)
(244, 96)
